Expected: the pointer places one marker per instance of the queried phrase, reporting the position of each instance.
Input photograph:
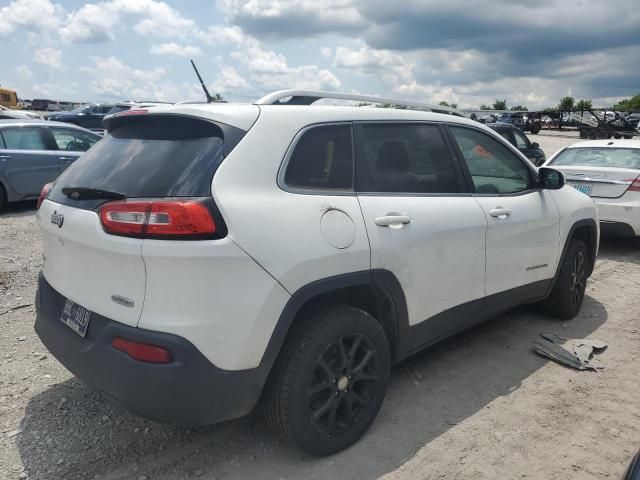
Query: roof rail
(307, 97)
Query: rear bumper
(190, 390)
(622, 214)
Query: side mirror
(535, 145)
(550, 179)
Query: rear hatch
(150, 177)
(599, 171)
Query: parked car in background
(518, 139)
(124, 106)
(87, 116)
(609, 172)
(372, 233)
(633, 119)
(45, 105)
(6, 113)
(35, 152)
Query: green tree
(443, 103)
(484, 106)
(583, 105)
(632, 103)
(519, 107)
(500, 104)
(454, 105)
(567, 104)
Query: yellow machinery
(9, 99)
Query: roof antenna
(210, 99)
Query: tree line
(566, 104)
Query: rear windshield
(599, 157)
(149, 157)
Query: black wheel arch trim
(383, 279)
(590, 223)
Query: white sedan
(609, 172)
(17, 114)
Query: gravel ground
(479, 406)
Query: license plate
(75, 317)
(582, 187)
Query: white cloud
(229, 80)
(293, 17)
(370, 61)
(115, 79)
(175, 49)
(97, 22)
(48, 56)
(223, 34)
(93, 23)
(36, 15)
(24, 72)
(326, 52)
(271, 70)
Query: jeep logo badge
(57, 219)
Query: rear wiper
(87, 193)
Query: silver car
(35, 152)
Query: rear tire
(330, 381)
(567, 295)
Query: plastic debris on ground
(576, 353)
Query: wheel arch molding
(378, 292)
(587, 231)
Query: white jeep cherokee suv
(201, 258)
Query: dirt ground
(479, 406)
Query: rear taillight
(635, 185)
(143, 352)
(43, 194)
(181, 219)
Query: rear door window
(404, 158)
(163, 156)
(24, 138)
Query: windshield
(599, 157)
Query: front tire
(567, 295)
(330, 382)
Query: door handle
(4, 157)
(67, 158)
(392, 221)
(500, 212)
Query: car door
(71, 143)
(422, 225)
(27, 162)
(523, 220)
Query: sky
(467, 52)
